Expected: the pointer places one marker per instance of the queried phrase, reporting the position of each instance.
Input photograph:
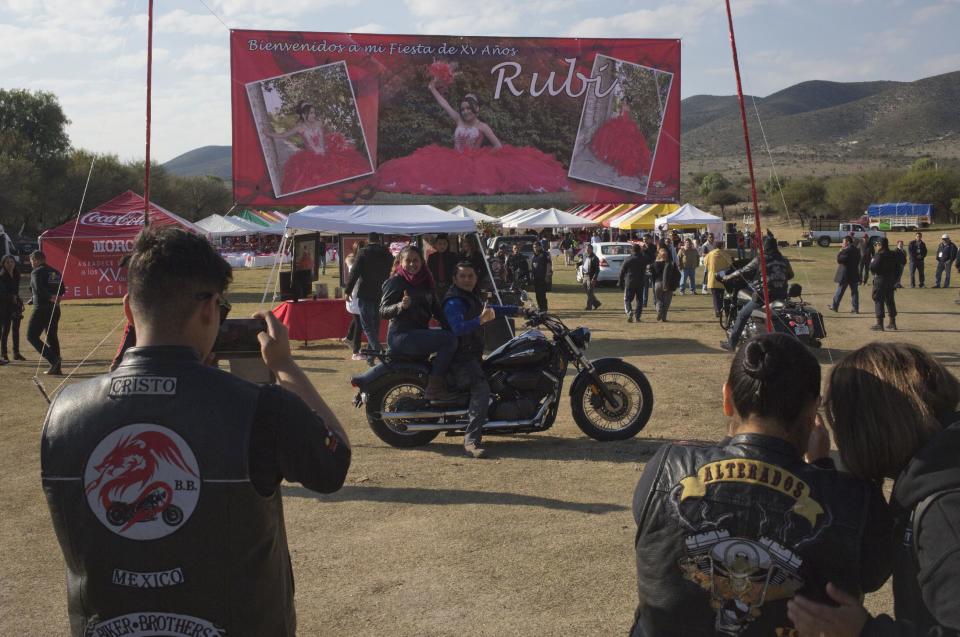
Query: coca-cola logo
(112, 221)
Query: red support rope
(146, 172)
(753, 183)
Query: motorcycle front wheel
(390, 396)
(604, 421)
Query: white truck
(823, 234)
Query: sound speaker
(731, 226)
(730, 241)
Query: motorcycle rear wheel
(382, 398)
(596, 418)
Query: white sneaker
(358, 357)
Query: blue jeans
(423, 343)
(647, 286)
(370, 321)
(468, 374)
(943, 267)
(854, 296)
(689, 275)
(741, 322)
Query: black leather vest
(146, 475)
(469, 345)
(729, 533)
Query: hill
(206, 160)
(831, 119)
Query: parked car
(612, 255)
(823, 234)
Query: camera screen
(239, 336)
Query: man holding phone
(163, 476)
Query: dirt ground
(537, 540)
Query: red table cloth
(310, 320)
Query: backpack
(671, 276)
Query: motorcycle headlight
(581, 337)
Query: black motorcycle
(792, 316)
(610, 399)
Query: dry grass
(535, 541)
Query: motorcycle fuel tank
(530, 348)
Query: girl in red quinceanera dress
(326, 157)
(470, 167)
(620, 143)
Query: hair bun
(756, 360)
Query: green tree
(928, 186)
(723, 198)
(923, 164)
(711, 182)
(33, 153)
(804, 197)
(955, 210)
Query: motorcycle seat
(744, 296)
(777, 305)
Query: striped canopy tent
(589, 209)
(466, 213)
(268, 216)
(252, 217)
(605, 218)
(218, 226)
(578, 208)
(645, 217)
(599, 210)
(625, 214)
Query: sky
(92, 53)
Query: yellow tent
(645, 216)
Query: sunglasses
(224, 304)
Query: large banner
(93, 270)
(333, 118)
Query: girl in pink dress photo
(479, 163)
(326, 157)
(620, 143)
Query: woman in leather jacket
(727, 533)
(11, 308)
(893, 411)
(409, 302)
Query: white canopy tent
(408, 220)
(383, 219)
(687, 216)
(217, 226)
(517, 214)
(549, 218)
(466, 213)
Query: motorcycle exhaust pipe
(422, 414)
(494, 424)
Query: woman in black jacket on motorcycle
(893, 410)
(409, 303)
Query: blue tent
(901, 209)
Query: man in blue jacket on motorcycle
(466, 314)
(779, 273)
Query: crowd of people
(758, 533)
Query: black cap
(373, 237)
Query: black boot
(436, 390)
(879, 326)
(892, 325)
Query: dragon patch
(142, 481)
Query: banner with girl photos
(334, 118)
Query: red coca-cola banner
(97, 241)
(332, 118)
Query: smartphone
(238, 338)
